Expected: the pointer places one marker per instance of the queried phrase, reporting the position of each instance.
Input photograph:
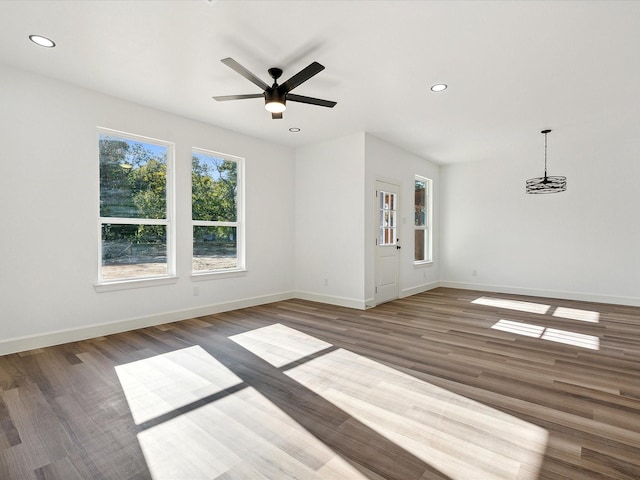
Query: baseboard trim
(332, 300)
(98, 330)
(407, 292)
(561, 294)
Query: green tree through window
(215, 211)
(133, 207)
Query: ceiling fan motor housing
(274, 95)
(275, 73)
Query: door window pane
(388, 214)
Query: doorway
(387, 256)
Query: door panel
(387, 242)
(388, 271)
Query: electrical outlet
(196, 291)
(474, 273)
(326, 282)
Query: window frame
(168, 222)
(239, 223)
(427, 228)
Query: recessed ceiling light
(439, 87)
(42, 41)
(294, 129)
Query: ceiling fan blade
(276, 116)
(313, 101)
(224, 98)
(302, 76)
(231, 63)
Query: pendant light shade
(546, 184)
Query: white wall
(392, 164)
(579, 244)
(49, 196)
(309, 218)
(334, 223)
(329, 221)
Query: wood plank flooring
(448, 384)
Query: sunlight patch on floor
(459, 437)
(240, 435)
(279, 345)
(540, 308)
(577, 314)
(163, 383)
(552, 334)
(571, 338)
(519, 328)
(529, 307)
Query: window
(135, 207)
(388, 211)
(216, 203)
(422, 220)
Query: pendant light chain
(545, 154)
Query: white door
(387, 242)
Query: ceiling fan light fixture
(276, 96)
(546, 184)
(274, 100)
(275, 106)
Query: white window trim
(241, 269)
(103, 285)
(217, 274)
(129, 283)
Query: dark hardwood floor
(448, 384)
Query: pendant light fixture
(546, 184)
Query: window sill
(424, 264)
(134, 283)
(215, 275)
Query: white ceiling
(513, 68)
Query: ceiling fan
(276, 96)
